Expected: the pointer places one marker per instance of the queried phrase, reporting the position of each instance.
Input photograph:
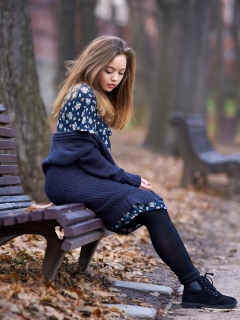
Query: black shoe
(202, 294)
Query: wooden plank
(3, 214)
(4, 119)
(2, 108)
(11, 218)
(13, 205)
(8, 181)
(7, 191)
(69, 218)
(14, 198)
(6, 169)
(8, 158)
(36, 215)
(19, 216)
(7, 132)
(54, 212)
(76, 242)
(7, 144)
(82, 227)
(22, 217)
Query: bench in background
(80, 227)
(199, 156)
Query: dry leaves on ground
(73, 295)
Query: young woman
(97, 96)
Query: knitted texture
(80, 168)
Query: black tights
(167, 243)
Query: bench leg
(193, 176)
(53, 257)
(53, 254)
(86, 254)
(187, 176)
(4, 240)
(233, 185)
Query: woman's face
(113, 73)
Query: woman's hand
(145, 184)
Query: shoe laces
(207, 283)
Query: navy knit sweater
(80, 168)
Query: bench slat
(2, 108)
(11, 218)
(4, 119)
(67, 219)
(54, 212)
(7, 144)
(83, 227)
(7, 191)
(7, 132)
(36, 215)
(13, 205)
(7, 181)
(14, 198)
(6, 213)
(22, 217)
(19, 216)
(6, 169)
(8, 158)
(76, 242)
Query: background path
(208, 221)
(223, 261)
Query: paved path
(225, 264)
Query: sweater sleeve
(95, 164)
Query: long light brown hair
(116, 107)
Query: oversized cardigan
(80, 168)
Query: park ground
(206, 218)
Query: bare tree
(236, 75)
(87, 21)
(143, 13)
(77, 27)
(218, 72)
(19, 92)
(235, 31)
(181, 83)
(66, 36)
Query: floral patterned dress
(79, 112)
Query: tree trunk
(219, 73)
(87, 19)
(235, 33)
(141, 11)
(161, 100)
(182, 72)
(19, 92)
(237, 47)
(66, 37)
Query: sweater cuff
(134, 179)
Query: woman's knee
(153, 216)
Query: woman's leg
(198, 290)
(168, 244)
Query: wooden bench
(81, 227)
(199, 156)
